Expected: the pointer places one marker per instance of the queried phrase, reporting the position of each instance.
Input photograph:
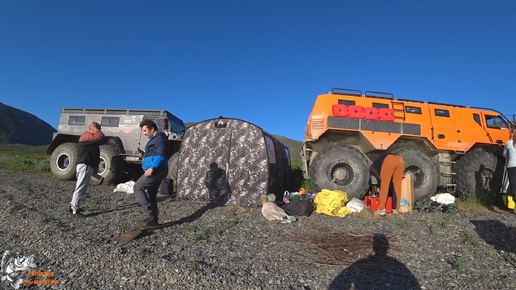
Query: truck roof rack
(382, 95)
(114, 111)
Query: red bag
(372, 203)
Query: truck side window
(76, 120)
(495, 122)
(442, 113)
(413, 110)
(109, 121)
(380, 105)
(347, 102)
(476, 118)
(176, 124)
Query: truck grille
(317, 126)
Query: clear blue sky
(258, 60)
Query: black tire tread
(114, 164)
(467, 168)
(322, 163)
(68, 174)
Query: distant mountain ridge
(20, 127)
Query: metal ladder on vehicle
(399, 110)
(446, 167)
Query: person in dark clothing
(155, 167)
(386, 169)
(88, 159)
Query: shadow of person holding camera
(217, 184)
(377, 271)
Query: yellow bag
(508, 201)
(332, 202)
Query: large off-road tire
(340, 167)
(63, 161)
(478, 172)
(423, 169)
(169, 185)
(111, 165)
(172, 166)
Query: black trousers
(146, 188)
(511, 171)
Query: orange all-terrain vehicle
(445, 145)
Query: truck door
(444, 127)
(497, 128)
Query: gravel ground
(231, 247)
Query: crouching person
(155, 169)
(391, 167)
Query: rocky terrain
(231, 247)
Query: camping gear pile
(442, 202)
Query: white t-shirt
(510, 153)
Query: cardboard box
(407, 193)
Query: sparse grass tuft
(439, 225)
(458, 264)
(199, 233)
(476, 202)
(403, 223)
(444, 223)
(486, 198)
(432, 229)
(365, 213)
(471, 239)
(196, 232)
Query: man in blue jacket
(155, 169)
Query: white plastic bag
(355, 204)
(125, 187)
(443, 198)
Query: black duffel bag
(299, 206)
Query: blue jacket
(155, 152)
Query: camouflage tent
(231, 161)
